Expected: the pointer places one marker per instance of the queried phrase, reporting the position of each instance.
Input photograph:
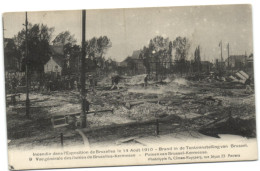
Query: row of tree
(40, 39)
(159, 53)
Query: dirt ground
(209, 107)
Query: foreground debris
(208, 107)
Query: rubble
(178, 104)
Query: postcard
(136, 86)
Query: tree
(197, 59)
(170, 51)
(158, 52)
(181, 45)
(12, 58)
(64, 38)
(72, 57)
(70, 49)
(96, 48)
(39, 37)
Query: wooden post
(27, 102)
(61, 139)
(82, 76)
(228, 54)
(157, 127)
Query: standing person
(91, 83)
(87, 106)
(50, 85)
(115, 80)
(76, 85)
(146, 80)
(13, 89)
(13, 84)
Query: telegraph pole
(228, 53)
(221, 51)
(221, 57)
(83, 116)
(27, 102)
(3, 27)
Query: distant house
(250, 61)
(206, 66)
(133, 64)
(236, 61)
(54, 65)
(56, 62)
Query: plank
(60, 125)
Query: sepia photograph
(129, 86)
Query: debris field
(174, 104)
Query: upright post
(27, 102)
(228, 54)
(221, 51)
(82, 76)
(157, 127)
(61, 139)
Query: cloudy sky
(131, 29)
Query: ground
(173, 105)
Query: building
(236, 61)
(250, 61)
(206, 66)
(55, 64)
(133, 64)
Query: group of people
(116, 78)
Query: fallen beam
(35, 107)
(125, 140)
(13, 95)
(133, 103)
(78, 113)
(241, 76)
(244, 74)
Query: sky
(131, 29)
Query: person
(13, 89)
(146, 80)
(13, 84)
(115, 80)
(76, 85)
(87, 103)
(50, 85)
(91, 83)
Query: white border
(34, 5)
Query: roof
(136, 54)
(134, 57)
(237, 58)
(57, 49)
(58, 60)
(206, 63)
(57, 54)
(7, 41)
(122, 64)
(250, 58)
